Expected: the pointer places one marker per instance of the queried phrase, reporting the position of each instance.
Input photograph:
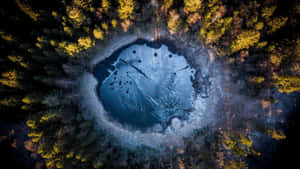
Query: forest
(48, 46)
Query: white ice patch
(148, 86)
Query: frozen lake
(141, 86)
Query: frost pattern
(147, 86)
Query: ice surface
(147, 86)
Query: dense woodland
(41, 41)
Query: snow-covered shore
(204, 107)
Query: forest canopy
(46, 45)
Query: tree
(174, 22)
(287, 83)
(32, 99)
(126, 13)
(267, 12)
(275, 59)
(259, 26)
(214, 25)
(114, 23)
(191, 6)
(277, 23)
(27, 10)
(7, 37)
(168, 3)
(11, 79)
(245, 40)
(31, 124)
(76, 15)
(233, 164)
(258, 79)
(125, 25)
(10, 101)
(19, 60)
(36, 136)
(85, 42)
(85, 4)
(69, 48)
(105, 5)
(48, 116)
(276, 134)
(193, 18)
(239, 144)
(126, 9)
(215, 32)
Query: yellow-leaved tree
(168, 3)
(174, 21)
(245, 40)
(126, 13)
(191, 6)
(27, 10)
(11, 79)
(287, 83)
(126, 9)
(105, 5)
